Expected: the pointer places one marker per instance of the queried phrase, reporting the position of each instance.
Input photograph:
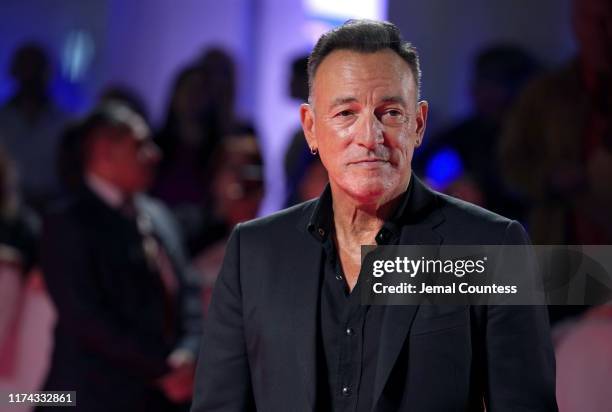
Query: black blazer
(259, 349)
(110, 343)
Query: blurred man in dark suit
(128, 308)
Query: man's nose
(370, 133)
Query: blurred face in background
(126, 157)
(238, 180)
(365, 121)
(30, 68)
(136, 159)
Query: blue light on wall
(77, 55)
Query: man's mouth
(369, 161)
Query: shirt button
(338, 277)
(321, 232)
(346, 391)
(350, 331)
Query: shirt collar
(321, 221)
(109, 193)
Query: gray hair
(364, 36)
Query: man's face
(365, 122)
(134, 157)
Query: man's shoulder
(465, 222)
(281, 222)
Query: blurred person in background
(297, 155)
(219, 76)
(200, 115)
(127, 96)
(69, 162)
(237, 190)
(128, 306)
(18, 255)
(557, 147)
(186, 140)
(499, 73)
(30, 125)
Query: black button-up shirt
(349, 332)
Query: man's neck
(357, 223)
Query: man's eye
(345, 113)
(393, 117)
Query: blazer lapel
(421, 219)
(305, 285)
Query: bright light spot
(77, 55)
(323, 15)
(346, 9)
(444, 168)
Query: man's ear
(308, 125)
(421, 120)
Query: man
(128, 309)
(286, 330)
(30, 125)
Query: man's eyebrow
(393, 99)
(343, 100)
(338, 101)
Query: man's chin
(368, 192)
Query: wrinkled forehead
(347, 74)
